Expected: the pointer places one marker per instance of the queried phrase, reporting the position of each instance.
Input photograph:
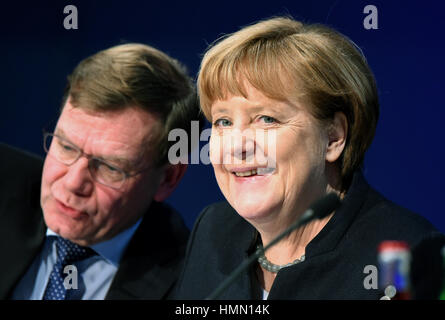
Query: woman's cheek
(216, 149)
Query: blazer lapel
(151, 262)
(22, 234)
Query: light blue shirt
(95, 274)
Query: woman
(294, 108)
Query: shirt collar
(113, 249)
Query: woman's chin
(253, 210)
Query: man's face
(76, 206)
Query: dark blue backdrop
(406, 54)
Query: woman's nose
(242, 145)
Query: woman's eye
(268, 119)
(222, 123)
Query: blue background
(406, 55)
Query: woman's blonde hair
(287, 60)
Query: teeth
(246, 173)
(258, 171)
(264, 171)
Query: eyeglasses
(67, 153)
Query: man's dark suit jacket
(335, 259)
(149, 267)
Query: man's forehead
(132, 121)
(125, 132)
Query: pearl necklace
(274, 268)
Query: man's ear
(173, 173)
(337, 135)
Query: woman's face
(249, 132)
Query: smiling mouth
(254, 172)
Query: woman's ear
(337, 135)
(173, 173)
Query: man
(104, 232)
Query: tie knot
(69, 252)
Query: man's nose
(78, 178)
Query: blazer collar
(22, 242)
(245, 237)
(150, 264)
(328, 238)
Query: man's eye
(66, 147)
(222, 123)
(107, 172)
(107, 168)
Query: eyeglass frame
(89, 157)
